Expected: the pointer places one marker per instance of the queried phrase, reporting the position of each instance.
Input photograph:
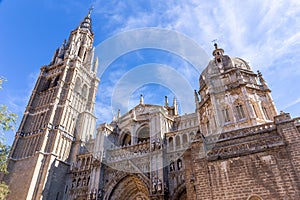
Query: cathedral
(234, 146)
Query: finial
(119, 114)
(90, 10)
(259, 73)
(175, 105)
(141, 99)
(261, 79)
(218, 51)
(166, 101)
(174, 101)
(215, 43)
(196, 96)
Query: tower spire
(86, 23)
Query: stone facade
(234, 146)
(259, 161)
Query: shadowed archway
(180, 193)
(130, 188)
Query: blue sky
(264, 33)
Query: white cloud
(265, 33)
(297, 101)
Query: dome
(222, 64)
(240, 63)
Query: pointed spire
(90, 11)
(196, 96)
(196, 99)
(261, 79)
(119, 114)
(166, 101)
(175, 105)
(86, 23)
(141, 99)
(95, 65)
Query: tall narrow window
(184, 139)
(177, 141)
(240, 111)
(179, 164)
(171, 145)
(265, 111)
(225, 114)
(84, 91)
(79, 51)
(254, 109)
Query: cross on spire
(90, 10)
(215, 43)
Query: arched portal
(143, 134)
(130, 188)
(126, 139)
(180, 193)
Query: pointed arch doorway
(130, 188)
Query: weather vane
(215, 43)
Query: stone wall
(20, 174)
(268, 172)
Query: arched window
(77, 85)
(184, 140)
(179, 164)
(84, 91)
(225, 115)
(254, 110)
(240, 113)
(143, 134)
(177, 141)
(126, 139)
(170, 143)
(266, 113)
(172, 166)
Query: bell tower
(59, 118)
